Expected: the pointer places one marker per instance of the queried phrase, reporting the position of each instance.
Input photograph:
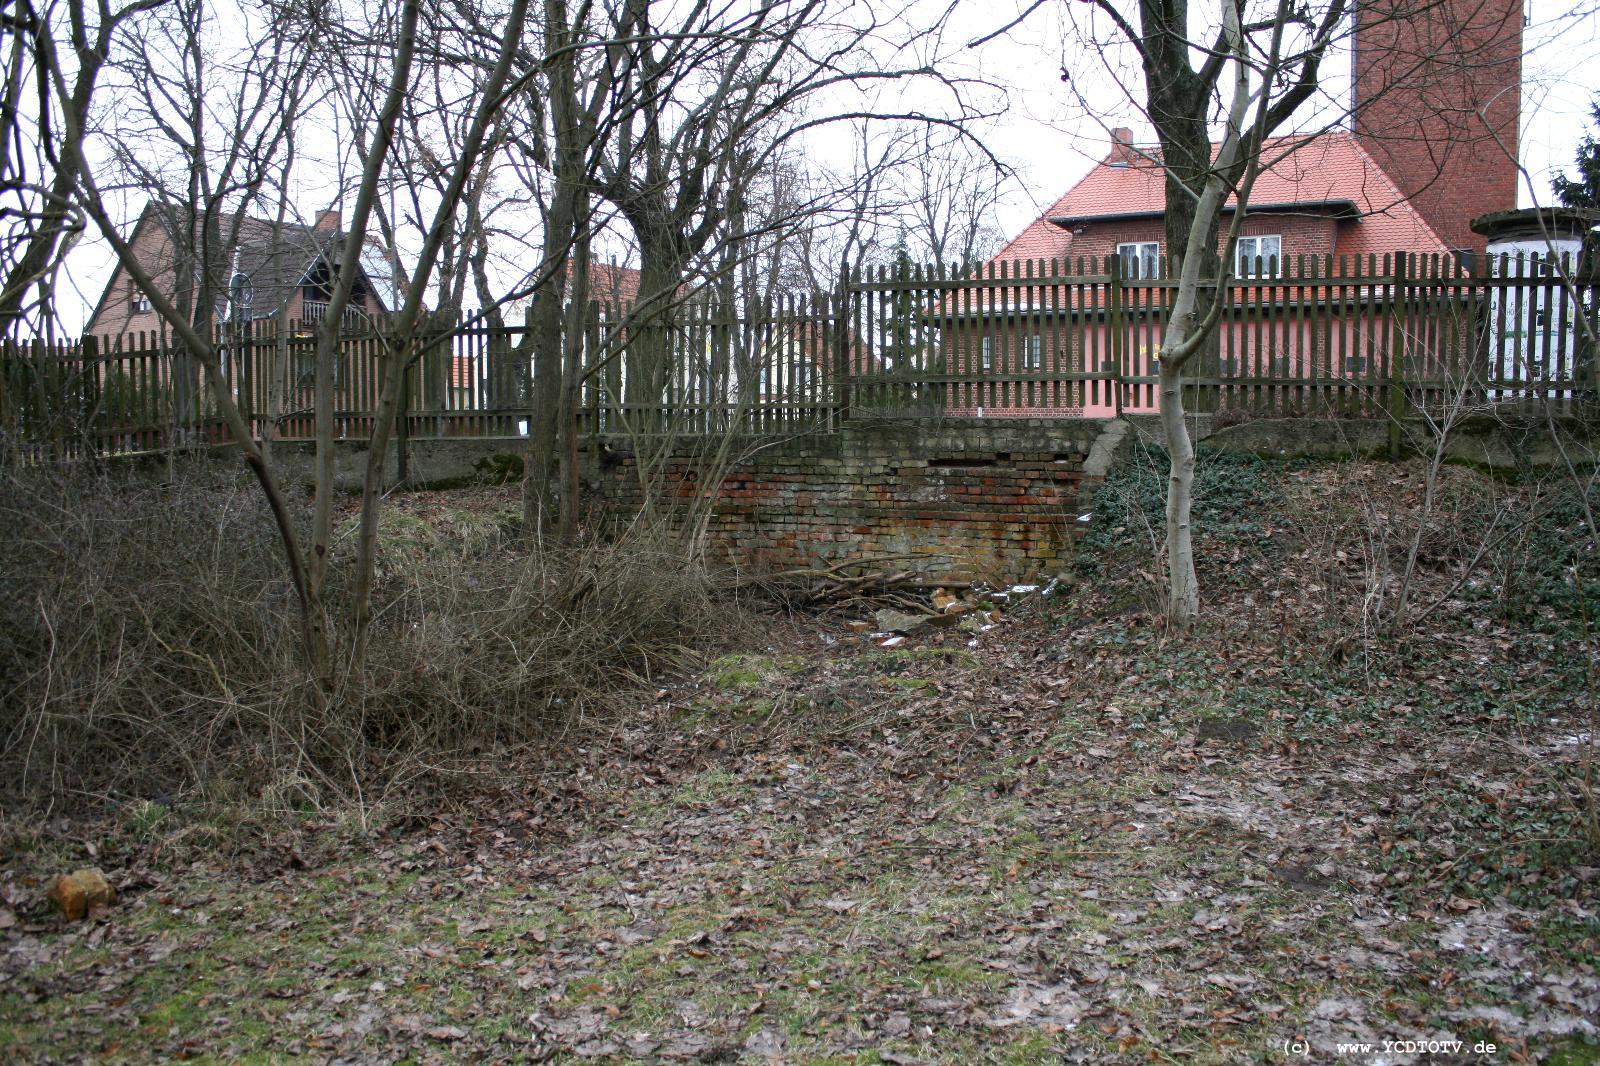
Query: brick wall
(1437, 104)
(974, 499)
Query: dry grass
(150, 643)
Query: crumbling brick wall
(977, 498)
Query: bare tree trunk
(403, 336)
(571, 383)
(549, 314)
(1199, 180)
(538, 482)
(1183, 587)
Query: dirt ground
(1069, 838)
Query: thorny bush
(149, 644)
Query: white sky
(1047, 133)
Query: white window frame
(986, 352)
(1135, 256)
(1245, 264)
(1033, 356)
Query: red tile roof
(1332, 168)
(611, 284)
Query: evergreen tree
(899, 311)
(902, 344)
(1584, 191)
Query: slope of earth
(1300, 835)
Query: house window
(988, 353)
(1033, 359)
(1140, 259)
(1259, 257)
(137, 299)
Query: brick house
(1432, 146)
(264, 273)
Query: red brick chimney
(1438, 95)
(1121, 145)
(328, 221)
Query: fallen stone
(892, 621)
(81, 892)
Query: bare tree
(1243, 71)
(390, 41)
(202, 133)
(684, 122)
(723, 94)
(951, 187)
(1246, 70)
(54, 62)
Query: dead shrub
(149, 645)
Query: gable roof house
(266, 272)
(1323, 196)
(1432, 146)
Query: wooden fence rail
(1374, 337)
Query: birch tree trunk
(1247, 70)
(1183, 587)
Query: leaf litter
(1034, 850)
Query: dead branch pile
(851, 585)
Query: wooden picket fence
(1376, 337)
(1370, 337)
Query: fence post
(91, 402)
(1114, 328)
(841, 325)
(1397, 353)
(402, 430)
